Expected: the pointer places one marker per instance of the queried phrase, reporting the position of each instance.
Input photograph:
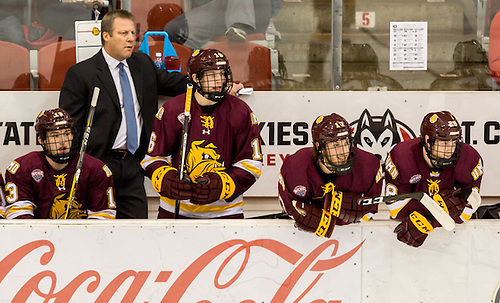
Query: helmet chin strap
(341, 169)
(59, 159)
(436, 162)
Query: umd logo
(95, 31)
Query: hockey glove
(166, 181)
(211, 187)
(351, 211)
(452, 204)
(414, 229)
(312, 218)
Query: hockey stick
(185, 133)
(86, 135)
(436, 211)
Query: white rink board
(243, 261)
(286, 119)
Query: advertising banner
(379, 119)
(245, 261)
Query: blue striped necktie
(128, 104)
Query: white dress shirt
(121, 137)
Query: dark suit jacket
(149, 81)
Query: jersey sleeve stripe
(20, 208)
(397, 206)
(251, 166)
(148, 160)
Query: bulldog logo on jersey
(59, 205)
(202, 159)
(378, 134)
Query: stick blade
(438, 213)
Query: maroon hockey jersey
(33, 188)
(406, 171)
(227, 140)
(300, 180)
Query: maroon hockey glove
(211, 187)
(351, 211)
(308, 216)
(452, 201)
(414, 229)
(174, 188)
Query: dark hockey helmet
(202, 61)
(50, 120)
(332, 128)
(441, 126)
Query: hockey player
(38, 184)
(320, 186)
(224, 154)
(438, 164)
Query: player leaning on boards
(438, 164)
(224, 155)
(320, 186)
(38, 184)
(2, 198)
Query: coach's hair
(108, 21)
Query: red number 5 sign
(365, 19)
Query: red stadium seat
(141, 9)
(250, 63)
(161, 14)
(54, 60)
(15, 63)
(494, 48)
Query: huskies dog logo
(378, 134)
(202, 159)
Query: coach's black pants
(128, 177)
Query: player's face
(213, 81)
(58, 142)
(337, 152)
(119, 44)
(444, 149)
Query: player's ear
(194, 78)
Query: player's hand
(351, 211)
(236, 87)
(414, 229)
(211, 187)
(307, 217)
(174, 188)
(452, 202)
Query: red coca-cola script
(91, 279)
